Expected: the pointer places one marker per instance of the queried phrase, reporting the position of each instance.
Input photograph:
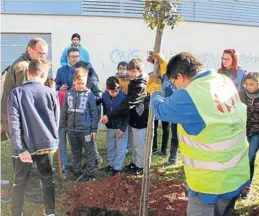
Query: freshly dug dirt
(254, 211)
(119, 196)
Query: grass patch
(243, 206)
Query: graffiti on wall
(210, 59)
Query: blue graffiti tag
(118, 55)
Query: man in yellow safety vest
(211, 131)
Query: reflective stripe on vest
(76, 110)
(216, 166)
(217, 146)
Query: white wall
(110, 40)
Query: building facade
(114, 30)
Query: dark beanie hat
(76, 35)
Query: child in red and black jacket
(250, 96)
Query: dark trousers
(33, 191)
(21, 175)
(165, 135)
(174, 143)
(78, 141)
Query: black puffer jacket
(252, 112)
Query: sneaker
(99, 162)
(83, 178)
(5, 199)
(75, 176)
(109, 168)
(154, 151)
(163, 153)
(246, 192)
(115, 172)
(70, 168)
(169, 163)
(131, 166)
(138, 171)
(64, 176)
(44, 214)
(4, 182)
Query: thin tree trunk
(149, 136)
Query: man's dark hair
(136, 63)
(76, 35)
(252, 75)
(123, 64)
(184, 63)
(112, 83)
(72, 50)
(82, 64)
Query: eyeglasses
(74, 57)
(41, 53)
(122, 68)
(225, 59)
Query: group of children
(125, 104)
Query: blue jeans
(116, 148)
(63, 148)
(253, 149)
(221, 208)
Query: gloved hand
(154, 84)
(162, 61)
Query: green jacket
(15, 77)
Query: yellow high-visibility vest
(216, 160)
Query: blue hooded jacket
(109, 104)
(80, 112)
(84, 55)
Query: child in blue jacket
(117, 128)
(80, 111)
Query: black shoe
(115, 172)
(109, 169)
(154, 151)
(75, 176)
(169, 163)
(99, 162)
(164, 153)
(70, 168)
(138, 171)
(131, 166)
(83, 178)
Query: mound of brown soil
(120, 195)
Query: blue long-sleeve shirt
(84, 55)
(179, 108)
(65, 77)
